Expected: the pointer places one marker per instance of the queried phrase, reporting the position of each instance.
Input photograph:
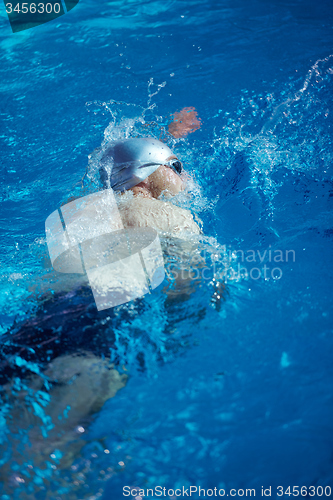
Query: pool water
(230, 395)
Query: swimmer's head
(141, 160)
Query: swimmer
(66, 341)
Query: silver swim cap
(131, 161)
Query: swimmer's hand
(184, 122)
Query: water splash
(282, 109)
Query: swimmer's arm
(184, 122)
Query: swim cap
(131, 161)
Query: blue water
(236, 396)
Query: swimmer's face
(165, 179)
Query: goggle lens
(176, 165)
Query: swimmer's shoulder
(163, 216)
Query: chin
(175, 189)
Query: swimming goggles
(175, 164)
